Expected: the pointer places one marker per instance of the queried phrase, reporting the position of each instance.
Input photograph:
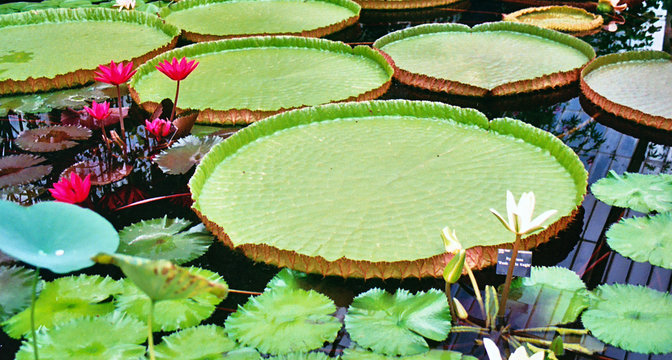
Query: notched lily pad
(51, 138)
(362, 354)
(561, 18)
(644, 239)
(185, 153)
(202, 342)
(639, 192)
(102, 172)
(16, 287)
(22, 169)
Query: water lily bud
(450, 240)
(460, 310)
(453, 269)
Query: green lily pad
(397, 324)
(633, 318)
(51, 138)
(557, 295)
(560, 18)
(335, 190)
(21, 169)
(16, 283)
(403, 4)
(512, 58)
(54, 235)
(113, 336)
(205, 342)
(206, 20)
(632, 85)
(287, 279)
(65, 299)
(185, 153)
(244, 80)
(27, 67)
(298, 320)
(639, 192)
(302, 356)
(164, 238)
(361, 354)
(644, 239)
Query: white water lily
(519, 354)
(125, 4)
(519, 215)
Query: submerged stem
(36, 279)
(509, 277)
(150, 334)
(121, 119)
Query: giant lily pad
(336, 190)
(38, 52)
(632, 85)
(51, 138)
(58, 236)
(644, 239)
(634, 318)
(403, 4)
(561, 18)
(206, 20)
(21, 169)
(244, 80)
(639, 192)
(512, 58)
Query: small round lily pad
(102, 172)
(639, 192)
(16, 283)
(647, 238)
(22, 169)
(185, 153)
(561, 18)
(200, 342)
(51, 138)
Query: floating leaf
(560, 18)
(296, 320)
(111, 337)
(362, 354)
(164, 238)
(65, 299)
(644, 239)
(633, 318)
(22, 169)
(102, 172)
(287, 279)
(51, 138)
(556, 294)
(205, 342)
(397, 324)
(45, 102)
(54, 235)
(16, 287)
(639, 192)
(302, 356)
(185, 153)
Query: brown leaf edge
(402, 4)
(595, 21)
(622, 111)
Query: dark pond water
(581, 247)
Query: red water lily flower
(158, 127)
(73, 191)
(114, 74)
(99, 111)
(177, 70)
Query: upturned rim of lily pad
(81, 76)
(592, 21)
(57, 236)
(402, 4)
(316, 32)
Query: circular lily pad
(185, 153)
(633, 318)
(51, 138)
(207, 20)
(336, 190)
(244, 80)
(632, 85)
(561, 18)
(501, 58)
(403, 4)
(102, 172)
(38, 52)
(644, 239)
(639, 192)
(200, 342)
(21, 169)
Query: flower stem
(121, 119)
(36, 279)
(509, 277)
(150, 334)
(107, 143)
(451, 303)
(177, 94)
(477, 290)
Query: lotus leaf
(164, 238)
(111, 337)
(65, 299)
(644, 239)
(51, 138)
(185, 153)
(639, 192)
(206, 20)
(16, 284)
(298, 320)
(21, 169)
(397, 324)
(361, 354)
(512, 58)
(205, 342)
(335, 189)
(633, 318)
(59, 245)
(561, 18)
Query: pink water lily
(177, 70)
(158, 127)
(73, 191)
(99, 111)
(114, 74)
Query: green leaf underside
(185, 153)
(128, 37)
(16, 287)
(58, 245)
(284, 321)
(65, 299)
(173, 314)
(164, 238)
(257, 17)
(361, 354)
(355, 188)
(557, 16)
(633, 318)
(205, 342)
(266, 74)
(644, 239)
(112, 336)
(557, 295)
(396, 324)
(504, 56)
(639, 192)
